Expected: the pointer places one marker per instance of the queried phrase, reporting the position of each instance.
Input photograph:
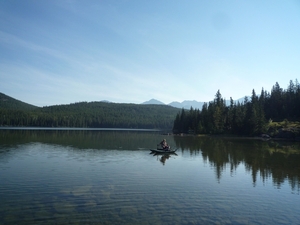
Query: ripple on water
(53, 184)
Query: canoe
(162, 151)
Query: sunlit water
(110, 178)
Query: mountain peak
(153, 102)
(186, 104)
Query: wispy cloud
(78, 51)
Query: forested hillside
(252, 117)
(7, 102)
(91, 114)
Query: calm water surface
(109, 177)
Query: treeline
(250, 117)
(93, 115)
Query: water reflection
(163, 157)
(278, 161)
(93, 177)
(82, 139)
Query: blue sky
(61, 52)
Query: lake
(110, 177)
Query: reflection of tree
(279, 161)
(84, 139)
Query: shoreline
(228, 136)
(78, 129)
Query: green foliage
(93, 115)
(10, 103)
(247, 118)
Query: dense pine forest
(250, 117)
(86, 114)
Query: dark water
(109, 177)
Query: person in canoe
(164, 144)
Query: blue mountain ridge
(186, 104)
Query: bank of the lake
(77, 128)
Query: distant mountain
(7, 102)
(187, 104)
(153, 102)
(93, 115)
(176, 104)
(240, 100)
